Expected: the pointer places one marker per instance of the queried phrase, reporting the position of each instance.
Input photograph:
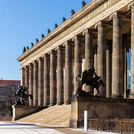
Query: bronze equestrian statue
(89, 77)
(21, 97)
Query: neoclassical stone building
(98, 35)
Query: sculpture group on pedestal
(21, 97)
(90, 78)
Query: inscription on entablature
(73, 27)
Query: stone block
(22, 111)
(101, 108)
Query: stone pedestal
(22, 111)
(101, 108)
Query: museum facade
(99, 35)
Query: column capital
(39, 59)
(21, 68)
(101, 24)
(130, 6)
(52, 52)
(88, 31)
(61, 48)
(115, 15)
(46, 55)
(30, 64)
(34, 62)
(25, 67)
(68, 43)
(77, 37)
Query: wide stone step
(54, 116)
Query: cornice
(70, 21)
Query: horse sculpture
(21, 97)
(89, 77)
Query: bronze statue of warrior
(21, 97)
(89, 77)
(86, 76)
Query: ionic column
(108, 68)
(77, 61)
(101, 53)
(52, 78)
(40, 82)
(68, 72)
(95, 63)
(125, 43)
(88, 51)
(46, 80)
(22, 77)
(117, 58)
(60, 75)
(35, 83)
(132, 51)
(26, 76)
(30, 82)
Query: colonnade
(50, 84)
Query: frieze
(67, 31)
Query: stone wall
(22, 111)
(101, 108)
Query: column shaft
(40, 82)
(46, 80)
(125, 64)
(101, 58)
(35, 83)
(52, 78)
(77, 62)
(132, 51)
(117, 59)
(108, 68)
(95, 63)
(60, 76)
(22, 77)
(88, 52)
(68, 73)
(30, 83)
(26, 76)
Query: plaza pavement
(13, 128)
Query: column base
(131, 96)
(67, 102)
(60, 103)
(52, 104)
(115, 96)
(46, 105)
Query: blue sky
(21, 22)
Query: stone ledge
(101, 108)
(100, 99)
(22, 111)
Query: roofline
(74, 18)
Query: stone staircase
(53, 116)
